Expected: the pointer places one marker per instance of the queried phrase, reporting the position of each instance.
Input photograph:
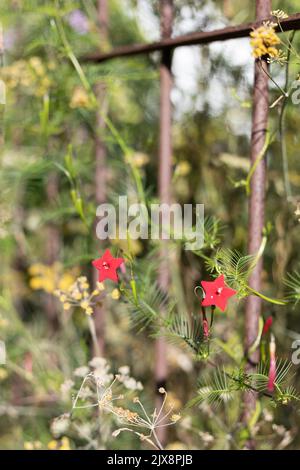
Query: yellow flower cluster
(50, 277)
(80, 98)
(62, 444)
(32, 75)
(79, 295)
(35, 445)
(264, 41)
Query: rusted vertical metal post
(256, 202)
(100, 163)
(164, 178)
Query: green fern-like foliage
(213, 229)
(292, 282)
(235, 267)
(148, 307)
(260, 377)
(283, 393)
(212, 235)
(148, 304)
(223, 385)
(219, 389)
(188, 331)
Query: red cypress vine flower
(272, 369)
(107, 266)
(217, 293)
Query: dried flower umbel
(101, 390)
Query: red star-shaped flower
(216, 293)
(107, 266)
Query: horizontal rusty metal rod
(201, 37)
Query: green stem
(264, 297)
(283, 149)
(94, 335)
(257, 161)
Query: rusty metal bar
(256, 202)
(100, 166)
(201, 37)
(164, 181)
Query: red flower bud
(267, 325)
(272, 369)
(205, 325)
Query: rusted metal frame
(100, 168)
(164, 184)
(256, 204)
(197, 38)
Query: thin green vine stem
(258, 159)
(287, 185)
(264, 297)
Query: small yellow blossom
(67, 306)
(52, 445)
(264, 41)
(100, 286)
(3, 373)
(175, 418)
(183, 168)
(84, 304)
(65, 444)
(116, 294)
(140, 159)
(28, 445)
(77, 295)
(79, 98)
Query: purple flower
(79, 22)
(9, 39)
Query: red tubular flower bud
(205, 325)
(267, 325)
(272, 369)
